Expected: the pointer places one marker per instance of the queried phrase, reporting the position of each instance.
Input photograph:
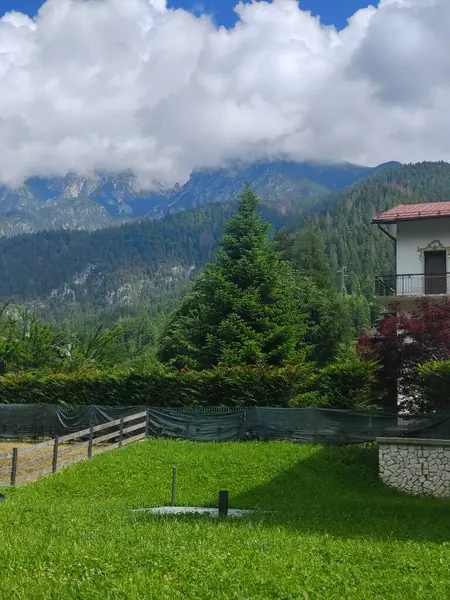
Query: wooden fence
(52, 451)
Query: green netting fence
(307, 425)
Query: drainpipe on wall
(394, 239)
(391, 384)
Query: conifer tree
(309, 257)
(242, 309)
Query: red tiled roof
(406, 212)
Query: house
(421, 235)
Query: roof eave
(396, 220)
(384, 222)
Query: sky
(164, 89)
(331, 12)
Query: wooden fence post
(14, 466)
(55, 454)
(91, 441)
(121, 432)
(147, 418)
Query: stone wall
(417, 466)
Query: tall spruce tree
(306, 251)
(242, 309)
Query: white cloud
(114, 84)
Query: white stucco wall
(412, 235)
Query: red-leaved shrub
(402, 342)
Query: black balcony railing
(412, 285)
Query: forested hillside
(126, 265)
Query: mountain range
(150, 261)
(76, 202)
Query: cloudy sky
(118, 84)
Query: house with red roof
(421, 236)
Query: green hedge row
(347, 384)
(337, 386)
(433, 393)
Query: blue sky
(332, 12)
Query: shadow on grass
(337, 491)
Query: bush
(340, 385)
(433, 387)
(161, 387)
(347, 385)
(308, 399)
(403, 341)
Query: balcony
(400, 288)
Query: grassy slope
(337, 533)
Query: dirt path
(33, 461)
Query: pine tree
(310, 257)
(242, 309)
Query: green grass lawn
(335, 533)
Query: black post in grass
(223, 503)
(14, 466)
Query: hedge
(335, 387)
(341, 385)
(216, 387)
(433, 393)
(348, 384)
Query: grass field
(336, 533)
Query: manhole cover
(196, 510)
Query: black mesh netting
(312, 425)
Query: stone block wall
(417, 466)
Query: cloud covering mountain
(115, 85)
